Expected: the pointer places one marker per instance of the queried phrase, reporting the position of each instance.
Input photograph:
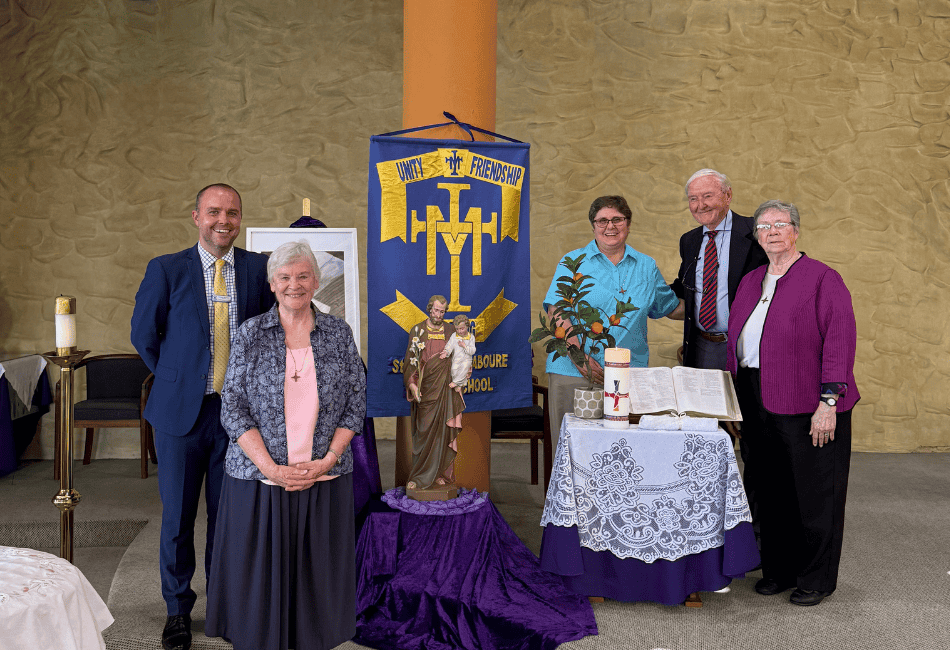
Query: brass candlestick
(67, 498)
(67, 358)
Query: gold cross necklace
(295, 376)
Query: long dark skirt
(283, 573)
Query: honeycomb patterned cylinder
(589, 404)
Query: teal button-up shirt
(640, 279)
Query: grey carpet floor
(894, 584)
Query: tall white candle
(616, 388)
(65, 322)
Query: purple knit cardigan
(808, 339)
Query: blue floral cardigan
(253, 393)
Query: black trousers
(801, 489)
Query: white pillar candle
(616, 388)
(65, 323)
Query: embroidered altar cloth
(643, 493)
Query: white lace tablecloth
(642, 493)
(47, 603)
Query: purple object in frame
(465, 581)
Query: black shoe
(177, 633)
(807, 598)
(769, 587)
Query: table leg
(693, 600)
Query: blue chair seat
(528, 423)
(107, 409)
(526, 418)
(117, 387)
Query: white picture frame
(336, 251)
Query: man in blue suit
(174, 330)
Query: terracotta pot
(589, 404)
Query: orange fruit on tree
(559, 332)
(597, 327)
(615, 319)
(578, 276)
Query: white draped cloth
(47, 603)
(22, 374)
(641, 493)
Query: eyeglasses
(778, 225)
(616, 222)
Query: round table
(46, 602)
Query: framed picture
(335, 250)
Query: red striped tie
(707, 306)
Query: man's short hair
(616, 202)
(223, 186)
(724, 183)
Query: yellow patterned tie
(222, 332)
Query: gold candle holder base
(66, 499)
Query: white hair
(292, 251)
(724, 183)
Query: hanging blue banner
(449, 218)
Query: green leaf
(625, 307)
(539, 334)
(588, 314)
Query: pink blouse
(301, 406)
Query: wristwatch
(830, 400)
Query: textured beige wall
(113, 114)
(838, 106)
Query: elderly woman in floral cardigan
(284, 570)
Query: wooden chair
(528, 423)
(117, 387)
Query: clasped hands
(301, 476)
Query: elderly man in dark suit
(187, 310)
(713, 258)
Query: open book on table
(684, 391)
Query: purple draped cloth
(601, 573)
(466, 581)
(366, 480)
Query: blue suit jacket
(171, 330)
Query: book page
(700, 390)
(651, 390)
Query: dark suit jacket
(745, 254)
(171, 330)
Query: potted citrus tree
(576, 327)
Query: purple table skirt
(466, 581)
(601, 573)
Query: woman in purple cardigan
(791, 348)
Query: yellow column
(449, 65)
